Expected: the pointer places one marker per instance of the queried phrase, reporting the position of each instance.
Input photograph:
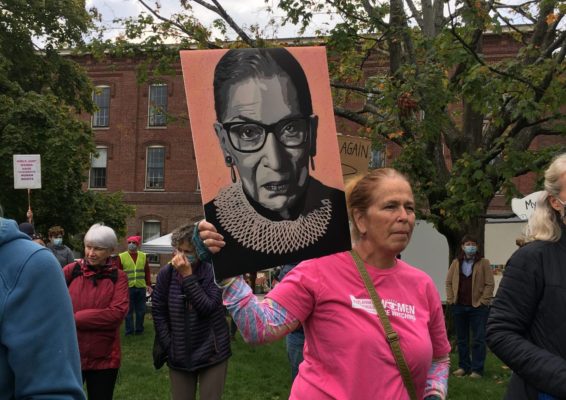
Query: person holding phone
(190, 323)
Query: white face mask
(58, 241)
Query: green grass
(254, 372)
(262, 373)
(491, 387)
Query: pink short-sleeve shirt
(346, 354)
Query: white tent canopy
(160, 245)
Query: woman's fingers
(213, 240)
(208, 231)
(204, 225)
(214, 245)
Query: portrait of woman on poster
(274, 211)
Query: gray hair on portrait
(544, 223)
(238, 65)
(183, 233)
(361, 189)
(100, 235)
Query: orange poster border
(198, 72)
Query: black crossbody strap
(390, 334)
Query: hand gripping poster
(267, 155)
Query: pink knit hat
(136, 239)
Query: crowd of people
(359, 324)
(370, 324)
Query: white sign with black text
(27, 171)
(524, 207)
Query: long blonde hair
(544, 223)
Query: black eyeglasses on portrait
(249, 137)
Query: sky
(244, 12)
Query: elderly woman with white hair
(526, 325)
(99, 293)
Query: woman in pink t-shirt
(346, 353)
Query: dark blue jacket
(189, 318)
(39, 354)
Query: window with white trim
(151, 229)
(155, 168)
(157, 114)
(97, 175)
(101, 98)
(377, 158)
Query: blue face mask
(192, 259)
(132, 247)
(58, 241)
(470, 250)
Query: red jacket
(100, 306)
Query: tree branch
(544, 124)
(541, 27)
(182, 28)
(539, 163)
(551, 32)
(518, 8)
(370, 108)
(514, 6)
(439, 20)
(361, 89)
(461, 68)
(354, 116)
(357, 116)
(509, 23)
(371, 13)
(415, 12)
(492, 69)
(222, 12)
(347, 14)
(559, 42)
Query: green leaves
(108, 208)
(475, 117)
(430, 83)
(41, 93)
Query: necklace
(258, 233)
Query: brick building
(145, 148)
(142, 151)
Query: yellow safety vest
(135, 271)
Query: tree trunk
(397, 21)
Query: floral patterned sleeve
(437, 379)
(258, 321)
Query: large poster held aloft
(267, 155)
